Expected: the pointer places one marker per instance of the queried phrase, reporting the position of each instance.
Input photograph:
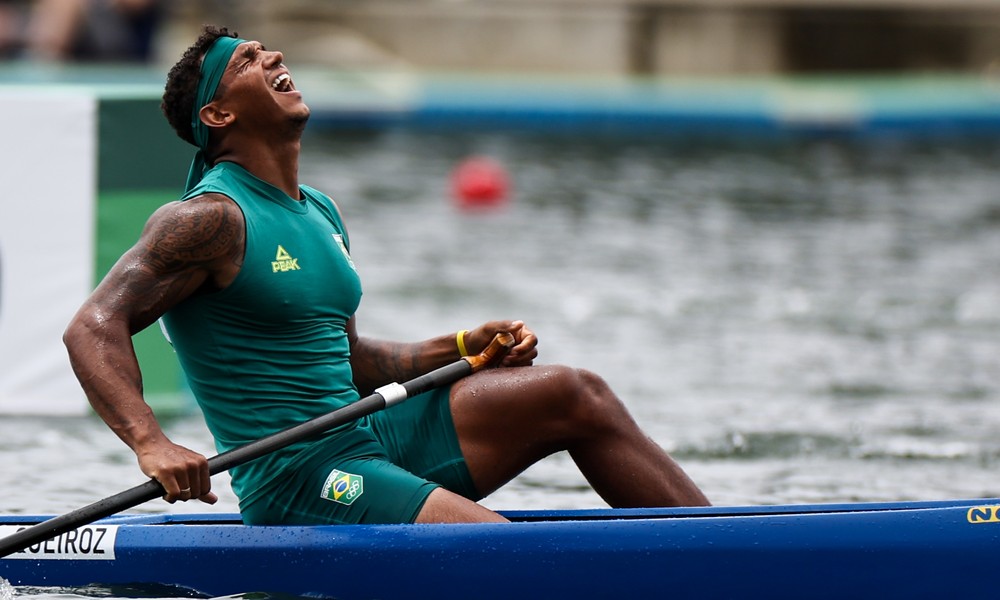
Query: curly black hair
(181, 90)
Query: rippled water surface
(796, 322)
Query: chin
(297, 121)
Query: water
(812, 321)
(796, 322)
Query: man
(252, 275)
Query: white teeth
(280, 80)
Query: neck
(275, 163)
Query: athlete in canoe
(251, 274)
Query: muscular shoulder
(205, 230)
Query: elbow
(81, 332)
(74, 334)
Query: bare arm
(378, 362)
(185, 248)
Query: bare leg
(443, 506)
(508, 419)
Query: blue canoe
(945, 549)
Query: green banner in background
(142, 165)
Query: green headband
(212, 68)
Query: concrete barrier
(647, 37)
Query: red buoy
(480, 182)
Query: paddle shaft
(383, 397)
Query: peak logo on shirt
(283, 261)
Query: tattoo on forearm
(388, 361)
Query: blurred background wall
(645, 37)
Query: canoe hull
(912, 550)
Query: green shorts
(378, 472)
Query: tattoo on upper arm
(194, 238)
(181, 252)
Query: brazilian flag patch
(343, 487)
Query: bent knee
(590, 401)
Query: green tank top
(271, 350)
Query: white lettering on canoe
(90, 542)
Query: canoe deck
(903, 549)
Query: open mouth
(283, 83)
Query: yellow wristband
(460, 340)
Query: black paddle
(383, 397)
